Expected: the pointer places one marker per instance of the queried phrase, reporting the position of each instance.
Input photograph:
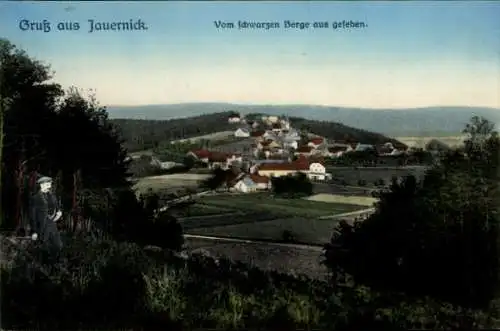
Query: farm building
(242, 133)
(313, 170)
(252, 183)
(234, 119)
(316, 142)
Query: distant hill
(431, 121)
(146, 134)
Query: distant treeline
(145, 134)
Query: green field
(206, 210)
(277, 206)
(304, 230)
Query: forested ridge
(146, 134)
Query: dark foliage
(295, 186)
(53, 133)
(146, 134)
(60, 134)
(157, 290)
(218, 179)
(436, 237)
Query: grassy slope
(277, 206)
(304, 230)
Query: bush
(104, 284)
(361, 182)
(296, 186)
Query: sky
(408, 54)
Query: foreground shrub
(104, 284)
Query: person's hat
(44, 179)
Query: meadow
(300, 230)
(174, 182)
(263, 202)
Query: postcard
(259, 135)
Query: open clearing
(213, 136)
(304, 230)
(342, 199)
(277, 206)
(170, 181)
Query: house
(164, 165)
(281, 169)
(292, 133)
(252, 183)
(272, 119)
(363, 147)
(316, 142)
(317, 171)
(257, 134)
(313, 170)
(285, 124)
(242, 133)
(384, 150)
(234, 119)
(262, 182)
(290, 144)
(201, 155)
(276, 127)
(220, 159)
(336, 151)
(269, 145)
(304, 150)
(245, 185)
(269, 135)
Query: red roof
(316, 141)
(294, 166)
(259, 179)
(202, 153)
(301, 158)
(218, 157)
(258, 133)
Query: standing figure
(44, 215)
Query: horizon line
(298, 104)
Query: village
(271, 147)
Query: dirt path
(244, 241)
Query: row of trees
(437, 237)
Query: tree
(293, 186)
(216, 180)
(435, 237)
(28, 111)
